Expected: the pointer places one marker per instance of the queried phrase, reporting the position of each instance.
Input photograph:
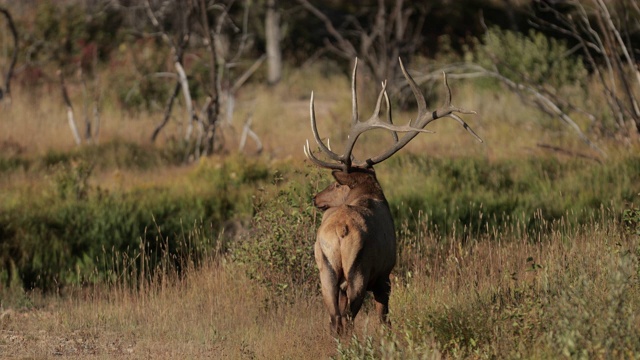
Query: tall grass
(556, 292)
(475, 194)
(58, 235)
(77, 219)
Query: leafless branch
(187, 99)
(526, 91)
(167, 111)
(600, 34)
(395, 31)
(67, 102)
(246, 131)
(6, 91)
(344, 45)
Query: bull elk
(355, 249)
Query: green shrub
(11, 163)
(475, 195)
(278, 251)
(116, 153)
(63, 33)
(532, 58)
(597, 320)
(631, 220)
(65, 236)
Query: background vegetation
(525, 246)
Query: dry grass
(501, 296)
(37, 123)
(213, 312)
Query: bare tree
(395, 31)
(603, 32)
(6, 90)
(177, 44)
(212, 106)
(205, 24)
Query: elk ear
(342, 177)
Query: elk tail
(343, 285)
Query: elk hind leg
(381, 292)
(343, 302)
(355, 296)
(329, 279)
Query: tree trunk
(272, 33)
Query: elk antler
(425, 117)
(346, 161)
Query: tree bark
(212, 109)
(272, 34)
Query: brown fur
(356, 245)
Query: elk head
(355, 249)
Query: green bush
(73, 31)
(615, 334)
(533, 58)
(65, 236)
(631, 220)
(116, 153)
(278, 251)
(475, 195)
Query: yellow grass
(37, 123)
(216, 312)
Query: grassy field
(507, 249)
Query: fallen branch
(562, 151)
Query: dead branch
(182, 76)
(177, 48)
(395, 31)
(167, 111)
(344, 45)
(212, 105)
(70, 117)
(566, 152)
(247, 74)
(246, 131)
(6, 91)
(526, 91)
(91, 118)
(602, 42)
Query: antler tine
(424, 117)
(346, 160)
(422, 103)
(324, 164)
(314, 129)
(466, 126)
(394, 134)
(374, 122)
